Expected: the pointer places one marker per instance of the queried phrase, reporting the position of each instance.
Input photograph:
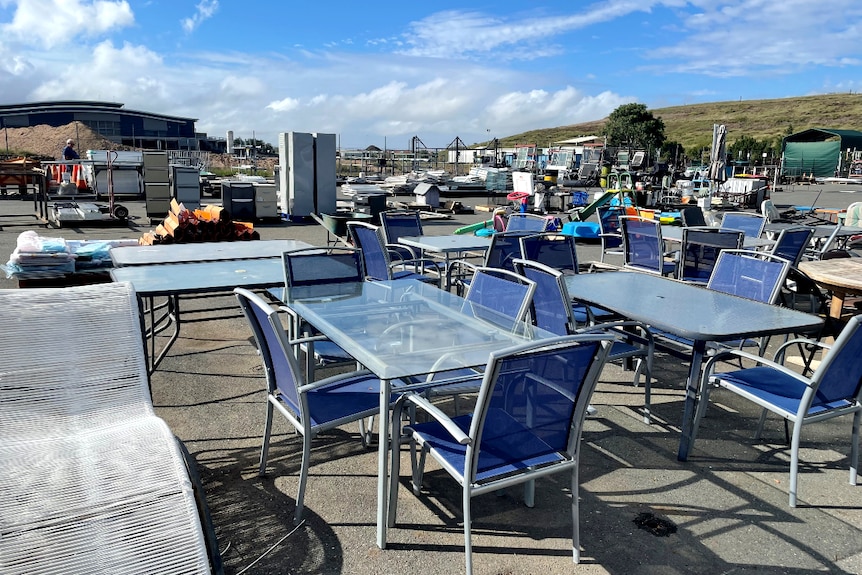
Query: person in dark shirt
(69, 152)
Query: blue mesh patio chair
(700, 249)
(499, 297)
(834, 389)
(311, 408)
(504, 249)
(526, 424)
(792, 243)
(692, 216)
(749, 222)
(552, 249)
(643, 247)
(331, 271)
(403, 223)
(551, 310)
(527, 222)
(609, 231)
(753, 275)
(377, 258)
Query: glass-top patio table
(447, 245)
(173, 280)
(399, 330)
(688, 311)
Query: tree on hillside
(634, 126)
(746, 148)
(672, 153)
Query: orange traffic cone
(80, 181)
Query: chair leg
(854, 448)
(702, 404)
(366, 430)
(418, 466)
(530, 493)
(267, 430)
(303, 475)
(794, 461)
(576, 543)
(760, 423)
(468, 544)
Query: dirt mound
(48, 142)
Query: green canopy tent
(817, 152)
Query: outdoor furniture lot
(91, 480)
(731, 512)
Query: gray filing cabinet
(266, 201)
(186, 186)
(157, 191)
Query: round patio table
(841, 276)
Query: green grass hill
(691, 125)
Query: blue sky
(381, 73)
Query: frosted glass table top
(201, 277)
(686, 310)
(200, 252)
(445, 244)
(401, 328)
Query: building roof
(849, 138)
(577, 141)
(81, 106)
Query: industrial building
(114, 122)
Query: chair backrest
(642, 244)
(839, 375)
(551, 309)
(769, 211)
(375, 258)
(505, 247)
(519, 221)
(609, 226)
(752, 275)
(700, 249)
(500, 297)
(552, 249)
(280, 366)
(315, 266)
(791, 243)
(692, 216)
(532, 402)
(400, 223)
(750, 223)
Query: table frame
(447, 246)
(688, 311)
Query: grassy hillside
(691, 125)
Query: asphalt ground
(723, 511)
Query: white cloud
(51, 23)
(204, 10)
(749, 38)
(285, 105)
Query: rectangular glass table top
(199, 252)
(686, 310)
(401, 328)
(450, 243)
(173, 279)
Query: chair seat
(776, 388)
(510, 439)
(328, 352)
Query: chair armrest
(441, 418)
(722, 355)
(778, 356)
(397, 251)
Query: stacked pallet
(207, 224)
